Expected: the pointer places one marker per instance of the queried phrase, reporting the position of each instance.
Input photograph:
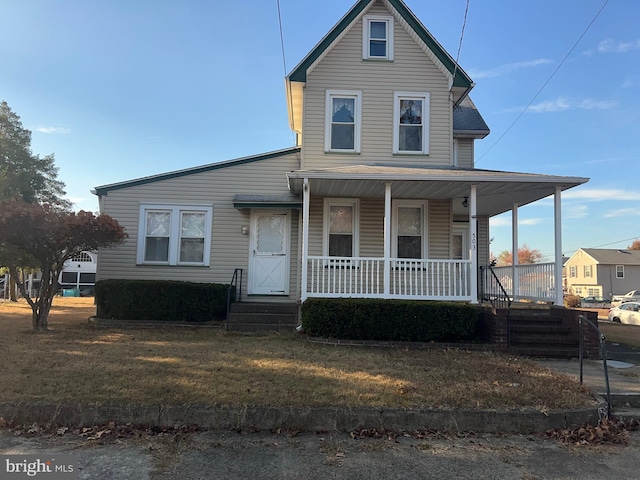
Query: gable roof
(611, 256)
(299, 73)
(105, 189)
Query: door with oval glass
(269, 256)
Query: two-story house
(602, 272)
(379, 198)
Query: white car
(632, 296)
(628, 312)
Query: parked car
(628, 312)
(632, 296)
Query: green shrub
(571, 301)
(161, 300)
(394, 320)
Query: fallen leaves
(610, 432)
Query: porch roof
(497, 191)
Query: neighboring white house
(80, 273)
(379, 197)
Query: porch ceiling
(497, 191)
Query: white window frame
(397, 97)
(619, 269)
(366, 37)
(423, 205)
(573, 271)
(176, 212)
(341, 202)
(588, 271)
(356, 95)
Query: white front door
(269, 256)
(460, 242)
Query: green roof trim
(105, 189)
(299, 73)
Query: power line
(464, 24)
(545, 83)
(284, 64)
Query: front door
(269, 256)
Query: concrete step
(264, 318)
(253, 327)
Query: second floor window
(573, 271)
(377, 38)
(619, 271)
(411, 123)
(343, 121)
(587, 271)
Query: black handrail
(582, 319)
(495, 294)
(236, 281)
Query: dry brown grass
(620, 333)
(199, 366)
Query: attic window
(377, 37)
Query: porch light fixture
(465, 202)
(244, 230)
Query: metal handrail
(582, 319)
(237, 274)
(501, 301)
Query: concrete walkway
(623, 366)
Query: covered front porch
(382, 261)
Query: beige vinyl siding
(465, 152)
(439, 229)
(343, 68)
(371, 227)
(216, 188)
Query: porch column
(305, 237)
(557, 280)
(387, 240)
(515, 258)
(473, 244)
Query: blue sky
(122, 89)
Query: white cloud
(507, 68)
(500, 222)
(611, 46)
(506, 221)
(623, 212)
(54, 130)
(575, 211)
(600, 194)
(563, 104)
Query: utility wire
(284, 66)
(464, 24)
(546, 83)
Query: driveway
(226, 455)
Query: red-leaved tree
(49, 236)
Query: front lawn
(201, 366)
(620, 333)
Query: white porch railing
(408, 279)
(533, 281)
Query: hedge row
(160, 300)
(393, 320)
